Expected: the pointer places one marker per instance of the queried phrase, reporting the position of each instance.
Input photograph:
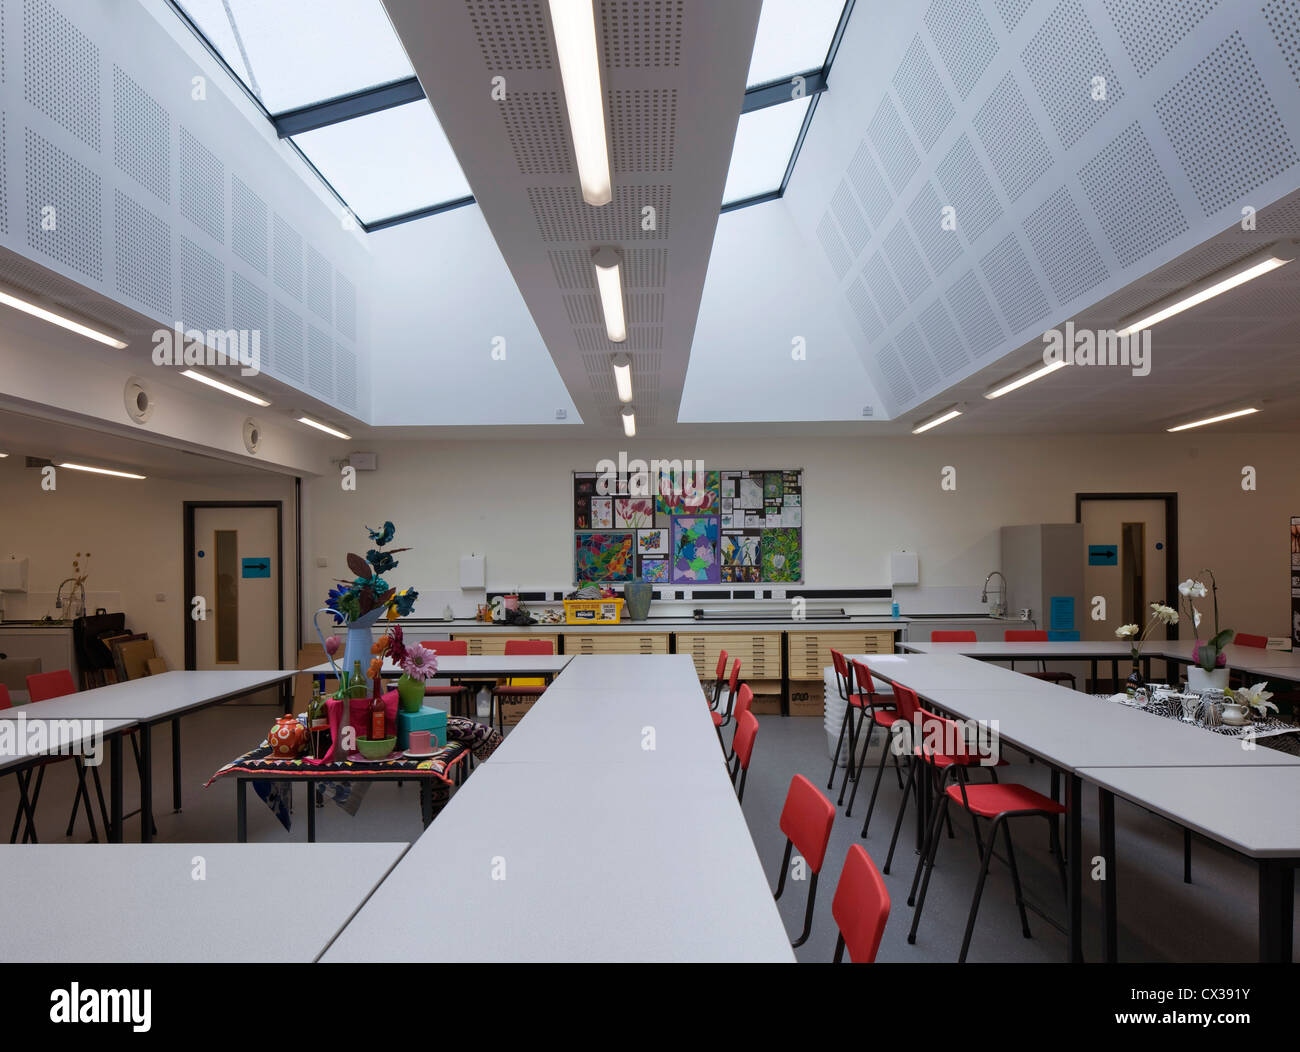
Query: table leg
(1114, 676)
(1187, 856)
(426, 801)
(25, 810)
(1074, 866)
(176, 765)
(311, 812)
(146, 783)
(1276, 909)
(1094, 675)
(1109, 888)
(241, 810)
(115, 807)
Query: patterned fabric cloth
(464, 737)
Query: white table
(272, 903)
(574, 861)
(1225, 805)
(149, 701)
(1255, 660)
(603, 671)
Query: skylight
(765, 141)
(794, 36)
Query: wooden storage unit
(616, 643)
(495, 642)
(759, 653)
(810, 652)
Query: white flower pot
(1200, 680)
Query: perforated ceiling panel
(970, 306)
(906, 261)
(141, 135)
(642, 268)
(538, 135)
(1284, 23)
(883, 288)
(345, 306)
(892, 144)
(1012, 11)
(4, 171)
(945, 343)
(61, 71)
(864, 310)
(250, 310)
(1071, 72)
(1013, 283)
(319, 282)
(922, 94)
(964, 40)
(249, 225)
(64, 207)
(856, 233)
(203, 288)
(202, 186)
(512, 36)
(287, 256)
(1063, 246)
(1010, 136)
(833, 245)
(641, 34)
(143, 248)
(1131, 197)
(287, 357)
(870, 185)
(562, 215)
(916, 359)
(900, 386)
(643, 129)
(968, 190)
(345, 376)
(1224, 126)
(320, 362)
(1151, 29)
(938, 242)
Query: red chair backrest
(842, 678)
(940, 734)
(530, 646)
(45, 685)
(447, 647)
(1024, 635)
(735, 676)
(907, 701)
(806, 821)
(746, 732)
(1244, 640)
(5, 701)
(744, 698)
(962, 635)
(722, 666)
(860, 906)
(863, 676)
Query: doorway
(1130, 557)
(234, 586)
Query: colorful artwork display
(604, 556)
(698, 527)
(695, 549)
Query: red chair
(721, 719)
(860, 908)
(844, 684)
(743, 750)
(1037, 635)
(996, 803)
(521, 692)
(719, 679)
(744, 699)
(1243, 639)
(457, 694)
(806, 821)
(961, 635)
(879, 715)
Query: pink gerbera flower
(420, 662)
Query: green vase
(410, 693)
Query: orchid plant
(368, 591)
(1160, 615)
(1208, 655)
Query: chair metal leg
(839, 949)
(1015, 880)
(849, 772)
(866, 745)
(839, 744)
(29, 834)
(932, 822)
(880, 770)
(1187, 856)
(785, 867)
(808, 913)
(926, 864)
(979, 891)
(902, 810)
(77, 797)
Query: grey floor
(1161, 918)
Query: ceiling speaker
(138, 400)
(252, 435)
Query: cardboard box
(514, 709)
(766, 705)
(807, 697)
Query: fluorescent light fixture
(3, 455)
(1028, 376)
(629, 422)
(1207, 288)
(101, 471)
(574, 23)
(1213, 419)
(623, 376)
(322, 427)
(27, 307)
(220, 385)
(609, 281)
(942, 418)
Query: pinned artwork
(782, 555)
(582, 513)
(652, 542)
(633, 512)
(751, 493)
(695, 549)
(740, 574)
(654, 571)
(740, 549)
(603, 556)
(602, 513)
(688, 493)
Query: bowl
(376, 748)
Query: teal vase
(410, 693)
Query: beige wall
(863, 498)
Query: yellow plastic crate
(593, 611)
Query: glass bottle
(378, 718)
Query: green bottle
(358, 688)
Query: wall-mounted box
(13, 576)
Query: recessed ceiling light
(1027, 376)
(54, 318)
(101, 471)
(622, 364)
(1207, 288)
(1213, 419)
(322, 427)
(629, 422)
(574, 23)
(609, 281)
(941, 418)
(221, 385)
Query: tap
(1000, 607)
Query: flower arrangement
(1208, 655)
(1161, 614)
(368, 591)
(1254, 697)
(415, 661)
